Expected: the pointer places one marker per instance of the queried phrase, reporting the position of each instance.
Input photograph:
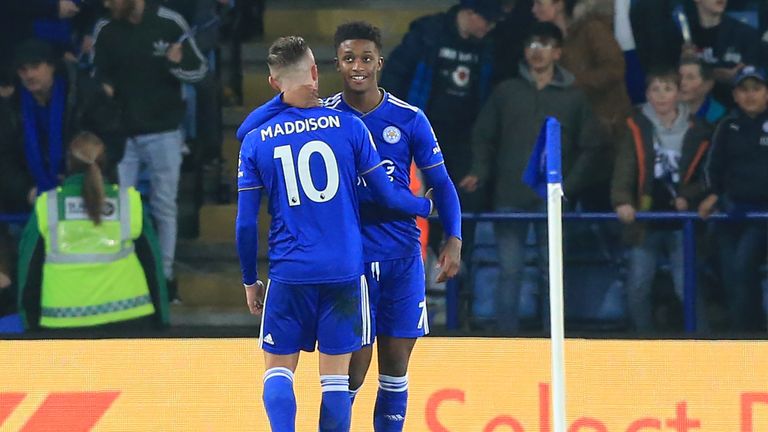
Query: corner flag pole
(555, 238)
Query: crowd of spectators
(139, 75)
(639, 88)
(662, 103)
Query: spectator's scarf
(46, 177)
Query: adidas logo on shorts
(268, 339)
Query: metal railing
(688, 220)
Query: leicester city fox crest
(391, 135)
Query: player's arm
(429, 159)
(247, 227)
(397, 199)
(369, 166)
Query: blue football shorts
(298, 316)
(398, 304)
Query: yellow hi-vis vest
(91, 274)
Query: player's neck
(364, 102)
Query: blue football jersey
(402, 134)
(308, 161)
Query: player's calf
(391, 404)
(336, 406)
(279, 399)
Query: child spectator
(696, 82)
(657, 169)
(738, 182)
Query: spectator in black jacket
(723, 42)
(444, 65)
(738, 182)
(143, 54)
(646, 47)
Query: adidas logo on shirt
(160, 48)
(268, 339)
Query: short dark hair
(706, 70)
(545, 31)
(357, 30)
(287, 51)
(664, 74)
(33, 52)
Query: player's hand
(707, 207)
(174, 54)
(449, 261)
(626, 213)
(304, 96)
(681, 204)
(254, 297)
(67, 9)
(469, 183)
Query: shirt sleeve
(247, 233)
(426, 150)
(248, 177)
(366, 156)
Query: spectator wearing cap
(738, 182)
(17, 25)
(502, 140)
(53, 102)
(444, 65)
(592, 54)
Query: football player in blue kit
(308, 161)
(394, 267)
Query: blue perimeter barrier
(14, 218)
(689, 250)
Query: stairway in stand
(207, 267)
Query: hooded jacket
(507, 127)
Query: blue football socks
(279, 399)
(336, 405)
(391, 404)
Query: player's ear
(274, 83)
(381, 63)
(336, 63)
(315, 74)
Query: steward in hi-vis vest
(88, 255)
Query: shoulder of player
(404, 109)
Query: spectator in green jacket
(88, 255)
(503, 138)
